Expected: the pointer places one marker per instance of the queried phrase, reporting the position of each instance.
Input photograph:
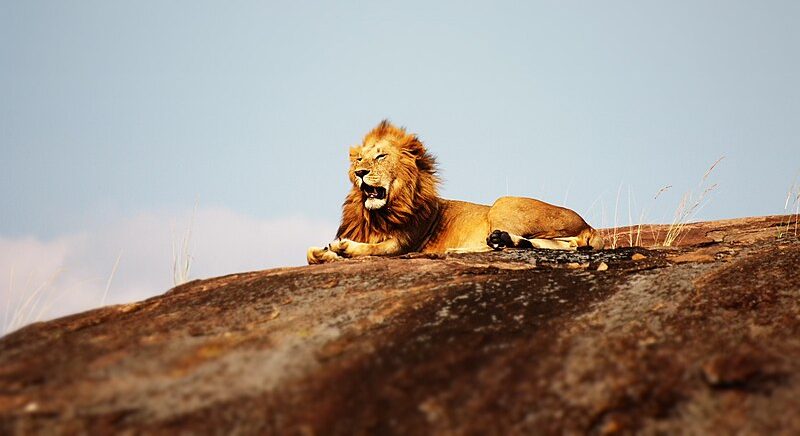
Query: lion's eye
(358, 160)
(380, 156)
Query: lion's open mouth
(373, 191)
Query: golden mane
(411, 211)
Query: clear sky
(117, 118)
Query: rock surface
(699, 338)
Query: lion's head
(394, 183)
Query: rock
(506, 342)
(638, 256)
(745, 230)
(576, 265)
(693, 257)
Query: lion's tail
(592, 238)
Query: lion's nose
(361, 173)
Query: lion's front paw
(340, 246)
(316, 255)
(499, 239)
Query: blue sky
(119, 112)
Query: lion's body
(393, 208)
(461, 226)
(465, 226)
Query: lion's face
(375, 169)
(392, 173)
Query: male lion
(393, 208)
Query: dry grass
(689, 206)
(636, 229)
(792, 203)
(28, 305)
(634, 233)
(110, 279)
(614, 235)
(181, 255)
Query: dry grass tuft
(689, 206)
(28, 305)
(792, 203)
(181, 256)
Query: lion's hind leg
(533, 223)
(499, 239)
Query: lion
(394, 208)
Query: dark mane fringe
(410, 213)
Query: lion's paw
(339, 246)
(316, 255)
(499, 239)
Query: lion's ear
(354, 152)
(424, 160)
(413, 146)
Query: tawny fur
(412, 216)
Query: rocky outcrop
(699, 338)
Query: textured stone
(507, 342)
